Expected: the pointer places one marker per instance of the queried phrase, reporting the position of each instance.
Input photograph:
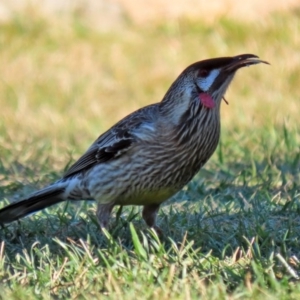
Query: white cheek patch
(205, 83)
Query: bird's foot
(158, 231)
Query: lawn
(231, 233)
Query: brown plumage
(152, 153)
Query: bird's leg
(149, 215)
(103, 214)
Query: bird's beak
(243, 60)
(229, 65)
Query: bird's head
(204, 83)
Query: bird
(149, 155)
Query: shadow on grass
(219, 211)
(223, 227)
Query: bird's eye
(203, 73)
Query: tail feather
(37, 201)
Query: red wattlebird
(152, 153)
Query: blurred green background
(66, 77)
(65, 80)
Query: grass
(232, 233)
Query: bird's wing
(116, 141)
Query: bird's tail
(37, 201)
